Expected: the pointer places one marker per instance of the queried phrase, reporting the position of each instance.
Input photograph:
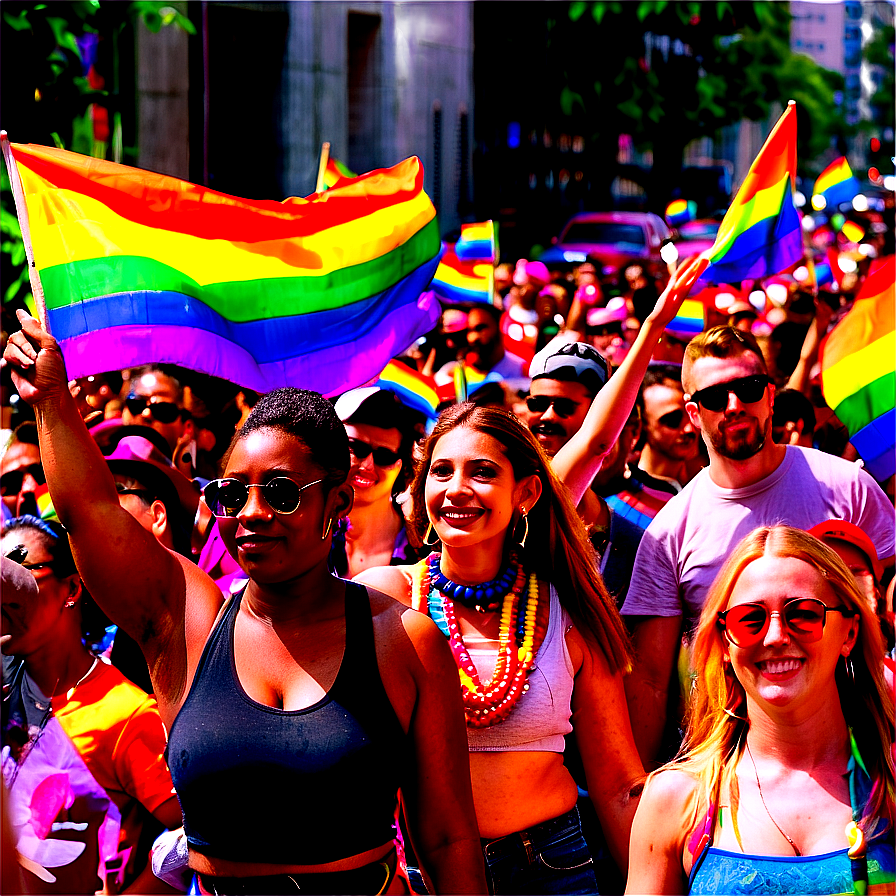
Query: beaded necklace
(524, 622)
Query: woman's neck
(803, 743)
(309, 596)
(373, 522)
(474, 564)
(55, 668)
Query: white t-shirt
(690, 538)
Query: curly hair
(557, 548)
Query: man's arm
(656, 641)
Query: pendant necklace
(761, 797)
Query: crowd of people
(620, 618)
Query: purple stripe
(331, 370)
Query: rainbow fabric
(334, 172)
(468, 380)
(478, 242)
(319, 293)
(761, 233)
(457, 281)
(680, 211)
(837, 184)
(414, 389)
(858, 370)
(689, 320)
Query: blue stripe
(274, 339)
(456, 295)
(845, 191)
(876, 443)
(409, 398)
(627, 512)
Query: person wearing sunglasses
(153, 397)
(74, 725)
(381, 433)
(785, 783)
(21, 473)
(750, 481)
(296, 715)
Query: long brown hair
(557, 548)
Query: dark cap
(575, 362)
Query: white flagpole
(22, 213)
(324, 158)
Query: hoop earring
(524, 517)
(327, 530)
(429, 531)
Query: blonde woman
(786, 784)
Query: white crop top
(541, 718)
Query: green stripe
(244, 300)
(868, 403)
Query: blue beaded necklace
(484, 597)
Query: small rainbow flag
(414, 389)
(138, 267)
(457, 281)
(689, 320)
(335, 172)
(761, 233)
(478, 242)
(858, 370)
(837, 184)
(468, 380)
(45, 506)
(854, 232)
(680, 211)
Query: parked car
(695, 237)
(612, 240)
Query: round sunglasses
(748, 389)
(227, 497)
(804, 617)
(382, 457)
(563, 407)
(160, 411)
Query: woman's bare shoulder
(392, 580)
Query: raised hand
(676, 292)
(35, 361)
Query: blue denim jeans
(549, 858)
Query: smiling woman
(298, 712)
(786, 780)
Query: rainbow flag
(837, 184)
(854, 232)
(478, 242)
(414, 389)
(334, 172)
(680, 211)
(319, 293)
(858, 370)
(761, 233)
(468, 380)
(689, 320)
(457, 281)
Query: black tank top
(307, 786)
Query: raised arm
(799, 379)
(579, 460)
(137, 582)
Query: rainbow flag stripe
(680, 211)
(858, 370)
(854, 232)
(334, 172)
(761, 233)
(457, 281)
(414, 389)
(689, 320)
(837, 184)
(138, 267)
(478, 242)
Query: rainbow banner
(334, 172)
(837, 184)
(414, 389)
(458, 282)
(858, 370)
(689, 320)
(478, 242)
(139, 267)
(680, 211)
(761, 233)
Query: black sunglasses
(672, 420)
(382, 457)
(748, 389)
(563, 407)
(227, 497)
(19, 553)
(804, 617)
(11, 482)
(161, 411)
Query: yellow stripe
(477, 280)
(67, 226)
(857, 370)
(764, 204)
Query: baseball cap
(849, 532)
(573, 362)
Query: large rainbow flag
(761, 232)
(858, 370)
(837, 184)
(139, 267)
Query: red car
(612, 239)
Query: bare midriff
(514, 791)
